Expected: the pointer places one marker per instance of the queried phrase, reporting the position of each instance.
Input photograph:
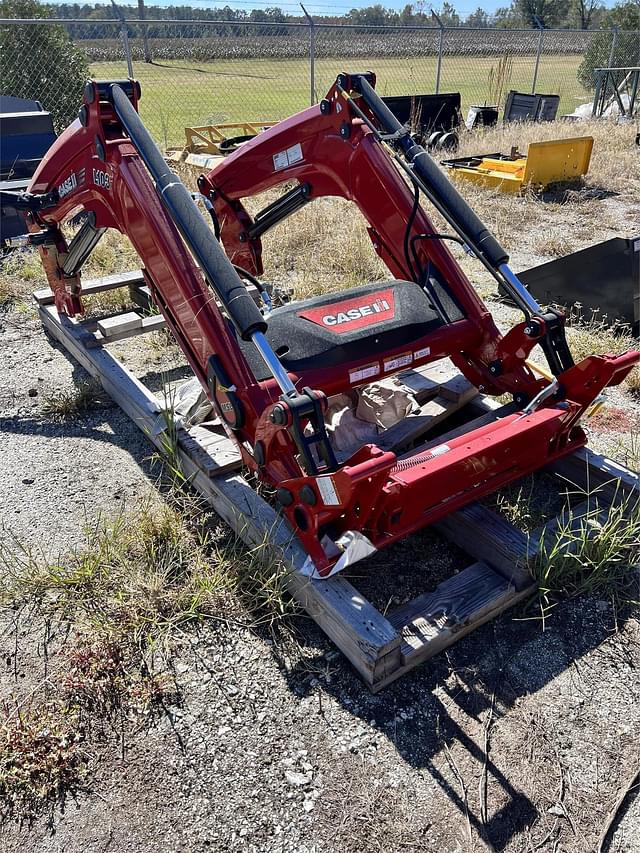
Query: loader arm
(269, 377)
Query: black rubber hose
(441, 190)
(215, 265)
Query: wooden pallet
(380, 647)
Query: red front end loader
(270, 376)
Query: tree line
(570, 14)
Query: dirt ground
(517, 739)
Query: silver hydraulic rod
(518, 291)
(273, 363)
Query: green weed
(593, 552)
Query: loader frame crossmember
(351, 146)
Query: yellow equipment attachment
(545, 163)
(207, 139)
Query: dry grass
(589, 334)
(20, 274)
(42, 758)
(127, 595)
(142, 574)
(66, 404)
(569, 217)
(323, 247)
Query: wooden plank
(437, 378)
(121, 385)
(422, 386)
(122, 322)
(487, 536)
(592, 471)
(361, 632)
(218, 455)
(459, 605)
(459, 390)
(128, 329)
(95, 285)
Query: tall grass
(593, 551)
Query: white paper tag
(294, 154)
(327, 491)
(440, 449)
(422, 353)
(364, 373)
(398, 362)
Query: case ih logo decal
(350, 314)
(71, 183)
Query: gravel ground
(278, 746)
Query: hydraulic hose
(441, 189)
(217, 268)
(446, 198)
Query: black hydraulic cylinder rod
(442, 192)
(82, 245)
(215, 265)
(279, 210)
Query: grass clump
(103, 676)
(143, 574)
(131, 578)
(593, 551)
(42, 758)
(65, 404)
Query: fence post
(312, 56)
(614, 44)
(145, 41)
(537, 65)
(124, 32)
(440, 47)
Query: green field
(179, 93)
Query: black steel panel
(434, 112)
(604, 277)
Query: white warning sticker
(327, 491)
(440, 449)
(363, 373)
(294, 154)
(280, 161)
(397, 362)
(422, 353)
(288, 157)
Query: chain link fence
(197, 72)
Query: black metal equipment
(603, 278)
(26, 133)
(522, 107)
(619, 86)
(430, 117)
